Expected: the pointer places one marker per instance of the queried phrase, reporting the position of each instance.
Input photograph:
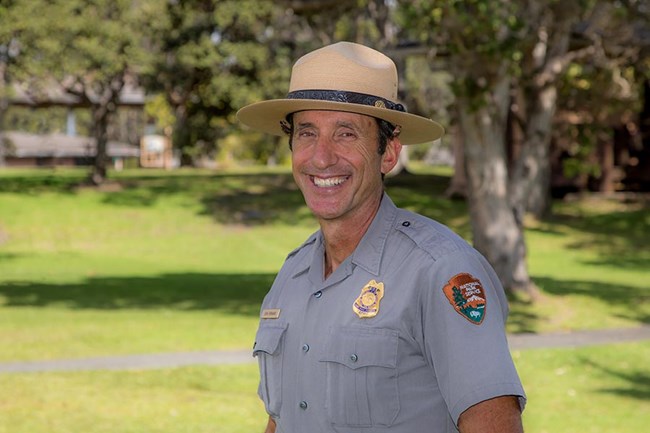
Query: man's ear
(391, 155)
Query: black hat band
(346, 97)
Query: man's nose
(324, 152)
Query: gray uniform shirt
(404, 336)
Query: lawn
(159, 261)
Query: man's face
(337, 165)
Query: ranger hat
(342, 77)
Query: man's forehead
(325, 116)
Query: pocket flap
(362, 347)
(268, 338)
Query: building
(23, 149)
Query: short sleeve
(464, 316)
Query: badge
(367, 304)
(465, 293)
(271, 313)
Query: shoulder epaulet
(434, 238)
(310, 240)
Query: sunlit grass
(192, 399)
(600, 389)
(159, 261)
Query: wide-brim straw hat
(342, 77)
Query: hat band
(347, 97)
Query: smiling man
(383, 320)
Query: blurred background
(137, 216)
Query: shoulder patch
(466, 294)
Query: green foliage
(214, 57)
(90, 42)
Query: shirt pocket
(268, 351)
(361, 376)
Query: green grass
(192, 399)
(603, 389)
(160, 261)
(155, 263)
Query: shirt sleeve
(464, 316)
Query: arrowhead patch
(465, 293)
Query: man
(383, 320)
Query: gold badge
(271, 313)
(367, 304)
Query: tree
(481, 38)
(87, 48)
(7, 57)
(508, 59)
(212, 58)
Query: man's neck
(341, 237)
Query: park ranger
(383, 320)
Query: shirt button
(354, 357)
(406, 223)
(318, 294)
(303, 405)
(305, 348)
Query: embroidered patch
(367, 304)
(465, 293)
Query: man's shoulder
(304, 247)
(432, 237)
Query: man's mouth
(329, 181)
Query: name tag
(271, 313)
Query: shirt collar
(367, 254)
(370, 250)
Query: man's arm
(270, 426)
(497, 415)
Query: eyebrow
(303, 125)
(339, 124)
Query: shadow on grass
(637, 381)
(235, 294)
(627, 300)
(40, 181)
(630, 298)
(620, 238)
(522, 318)
(242, 199)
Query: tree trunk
(497, 233)
(607, 180)
(4, 105)
(530, 181)
(458, 185)
(3, 145)
(101, 117)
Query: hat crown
(346, 66)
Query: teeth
(330, 181)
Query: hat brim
(266, 116)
